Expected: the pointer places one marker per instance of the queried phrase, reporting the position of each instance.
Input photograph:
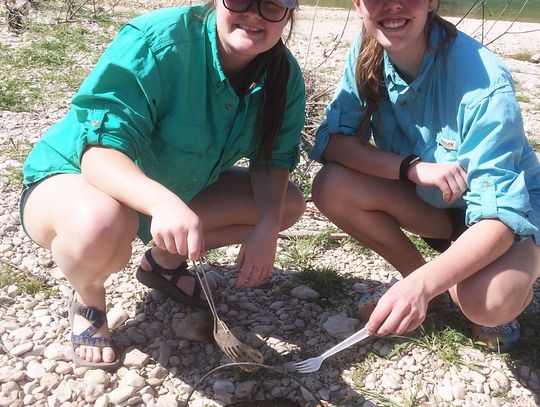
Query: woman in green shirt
(148, 148)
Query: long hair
(275, 94)
(370, 65)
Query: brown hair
(369, 66)
(275, 94)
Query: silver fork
(237, 351)
(313, 364)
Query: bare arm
(351, 152)
(174, 226)
(257, 255)
(403, 307)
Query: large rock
(340, 326)
(195, 327)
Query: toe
(108, 354)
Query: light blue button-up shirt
(460, 109)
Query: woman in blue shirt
(148, 149)
(450, 163)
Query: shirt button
(487, 183)
(95, 123)
(228, 106)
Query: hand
(256, 258)
(451, 179)
(177, 229)
(401, 309)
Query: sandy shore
(322, 37)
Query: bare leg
(228, 213)
(373, 210)
(500, 292)
(90, 236)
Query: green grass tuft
(325, 281)
(25, 283)
(523, 56)
(535, 144)
(438, 339)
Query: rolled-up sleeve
(344, 113)
(117, 103)
(490, 153)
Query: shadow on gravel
(285, 329)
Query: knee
(327, 189)
(490, 310)
(104, 231)
(294, 206)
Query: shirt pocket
(447, 149)
(188, 136)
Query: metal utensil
(237, 351)
(313, 364)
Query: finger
(378, 316)
(415, 323)
(461, 181)
(404, 324)
(170, 244)
(158, 241)
(391, 323)
(445, 190)
(181, 245)
(241, 258)
(194, 247)
(245, 276)
(455, 189)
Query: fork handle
(351, 340)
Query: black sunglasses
(270, 10)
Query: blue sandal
(501, 338)
(86, 338)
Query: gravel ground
(167, 346)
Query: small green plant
(445, 343)
(421, 245)
(524, 99)
(523, 56)
(25, 283)
(214, 256)
(535, 144)
(325, 281)
(302, 177)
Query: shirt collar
(254, 77)
(216, 72)
(392, 77)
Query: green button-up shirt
(159, 95)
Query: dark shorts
(25, 194)
(457, 218)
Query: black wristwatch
(406, 164)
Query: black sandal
(155, 279)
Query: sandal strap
(89, 340)
(94, 315)
(178, 272)
(175, 274)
